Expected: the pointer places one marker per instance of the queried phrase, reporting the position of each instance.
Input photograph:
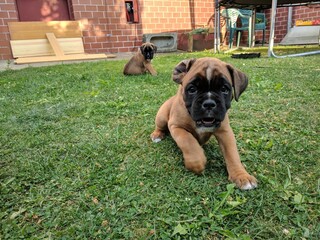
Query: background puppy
(141, 62)
(199, 110)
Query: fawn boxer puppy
(141, 62)
(200, 110)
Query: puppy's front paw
(244, 181)
(195, 162)
(157, 136)
(195, 166)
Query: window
(43, 10)
(131, 8)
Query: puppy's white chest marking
(201, 130)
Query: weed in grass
(76, 161)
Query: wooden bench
(48, 41)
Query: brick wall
(105, 27)
(311, 12)
(8, 13)
(93, 15)
(115, 34)
(106, 30)
(281, 24)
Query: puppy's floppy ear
(239, 81)
(154, 47)
(142, 47)
(181, 69)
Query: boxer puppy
(141, 62)
(200, 110)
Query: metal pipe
(272, 26)
(216, 27)
(289, 25)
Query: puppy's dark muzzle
(148, 57)
(209, 105)
(208, 119)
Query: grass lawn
(77, 162)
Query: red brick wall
(311, 12)
(105, 28)
(8, 13)
(281, 24)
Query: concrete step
(302, 35)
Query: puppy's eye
(192, 90)
(224, 90)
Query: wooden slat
(42, 47)
(61, 58)
(54, 44)
(34, 42)
(38, 30)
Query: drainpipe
(289, 25)
(216, 27)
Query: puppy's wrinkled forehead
(209, 69)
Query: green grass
(76, 160)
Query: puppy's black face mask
(208, 100)
(147, 52)
(208, 86)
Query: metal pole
(215, 28)
(289, 25)
(218, 28)
(252, 27)
(272, 26)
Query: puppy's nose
(209, 104)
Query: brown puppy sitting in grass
(140, 63)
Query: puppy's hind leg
(161, 122)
